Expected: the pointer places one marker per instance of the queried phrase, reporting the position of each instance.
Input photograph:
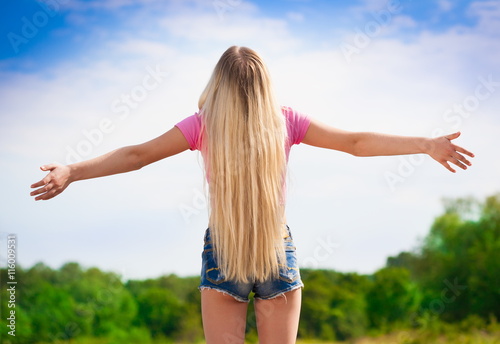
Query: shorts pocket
(215, 276)
(212, 271)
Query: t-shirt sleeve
(297, 124)
(191, 129)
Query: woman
(245, 139)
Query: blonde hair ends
(243, 146)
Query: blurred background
(80, 78)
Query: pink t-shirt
(296, 125)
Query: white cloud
(234, 30)
(391, 86)
(488, 13)
(401, 22)
(295, 16)
(445, 5)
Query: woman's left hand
(445, 152)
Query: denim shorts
(289, 278)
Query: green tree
(392, 298)
(457, 267)
(483, 253)
(333, 305)
(348, 312)
(102, 299)
(52, 313)
(71, 301)
(160, 311)
(316, 312)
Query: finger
(464, 151)
(452, 136)
(42, 182)
(445, 164)
(457, 162)
(461, 158)
(37, 192)
(48, 167)
(37, 184)
(43, 196)
(46, 196)
(46, 188)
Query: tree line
(451, 279)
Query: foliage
(392, 298)
(446, 291)
(458, 265)
(333, 305)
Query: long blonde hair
(243, 146)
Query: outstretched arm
(440, 149)
(121, 160)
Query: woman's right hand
(54, 183)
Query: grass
(401, 337)
(414, 337)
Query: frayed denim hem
(225, 292)
(280, 293)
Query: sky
(81, 78)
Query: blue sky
(402, 67)
(65, 29)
